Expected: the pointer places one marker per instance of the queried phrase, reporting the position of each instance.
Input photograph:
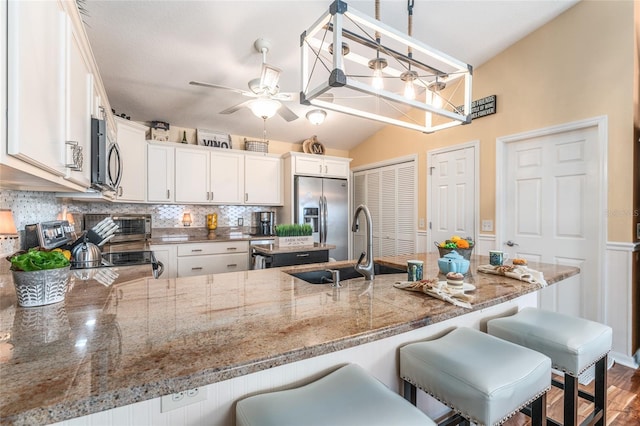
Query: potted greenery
(294, 235)
(41, 277)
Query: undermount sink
(323, 276)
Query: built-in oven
(106, 160)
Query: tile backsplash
(33, 207)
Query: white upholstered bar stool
(348, 396)
(484, 379)
(573, 344)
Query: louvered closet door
(390, 194)
(359, 197)
(406, 206)
(373, 202)
(388, 211)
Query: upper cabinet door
(263, 180)
(79, 100)
(160, 173)
(131, 140)
(36, 90)
(192, 176)
(227, 178)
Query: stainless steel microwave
(106, 160)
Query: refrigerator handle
(325, 218)
(321, 224)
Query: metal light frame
(333, 22)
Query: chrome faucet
(365, 270)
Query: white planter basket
(294, 241)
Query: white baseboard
(627, 361)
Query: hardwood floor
(623, 396)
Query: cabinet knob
(232, 248)
(302, 255)
(232, 265)
(197, 268)
(195, 250)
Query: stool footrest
(582, 394)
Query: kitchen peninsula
(138, 339)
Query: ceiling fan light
(316, 116)
(264, 108)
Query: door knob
(511, 243)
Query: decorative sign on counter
(294, 241)
(482, 107)
(214, 139)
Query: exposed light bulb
(377, 65)
(377, 81)
(435, 88)
(409, 87)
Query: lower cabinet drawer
(299, 258)
(212, 264)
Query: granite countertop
(137, 338)
(202, 235)
(270, 249)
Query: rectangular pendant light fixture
(341, 79)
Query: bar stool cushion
(484, 378)
(572, 343)
(348, 396)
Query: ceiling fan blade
(286, 113)
(235, 108)
(217, 86)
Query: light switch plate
(421, 223)
(487, 225)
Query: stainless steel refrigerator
(323, 203)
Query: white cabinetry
(262, 180)
(211, 176)
(167, 254)
(50, 72)
(203, 176)
(160, 173)
(79, 100)
(131, 140)
(317, 165)
(212, 258)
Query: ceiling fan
(265, 90)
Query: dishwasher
(253, 254)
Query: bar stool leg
(539, 411)
(570, 400)
(600, 392)
(409, 392)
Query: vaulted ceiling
(148, 51)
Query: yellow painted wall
(578, 66)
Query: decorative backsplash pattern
(33, 207)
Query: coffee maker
(263, 223)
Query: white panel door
(551, 212)
(453, 194)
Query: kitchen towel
(259, 262)
(519, 272)
(437, 289)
